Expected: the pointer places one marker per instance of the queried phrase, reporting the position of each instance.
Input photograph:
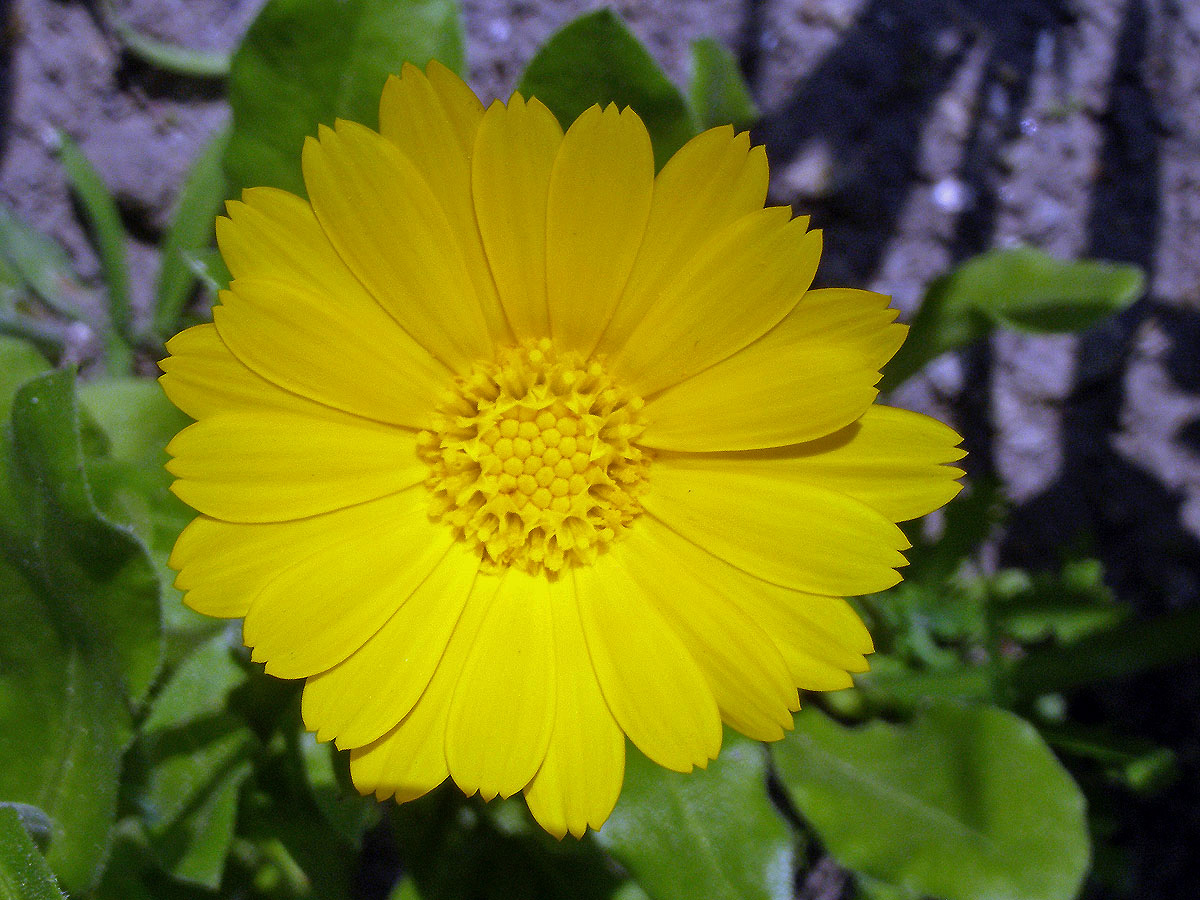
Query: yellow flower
(514, 449)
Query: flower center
(532, 459)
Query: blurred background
(916, 133)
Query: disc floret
(532, 458)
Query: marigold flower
(514, 449)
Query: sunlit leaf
(718, 94)
(709, 835)
(964, 803)
(305, 62)
(1022, 289)
(596, 59)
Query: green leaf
(1166, 639)
(198, 756)
(718, 94)
(163, 55)
(457, 848)
(109, 236)
(93, 564)
(137, 419)
(1066, 606)
(1022, 289)
(405, 889)
(12, 286)
(33, 819)
(19, 362)
(708, 835)
(79, 636)
(191, 233)
(195, 847)
(305, 62)
(596, 59)
(196, 692)
(41, 263)
(131, 486)
(24, 874)
(964, 803)
(209, 266)
(348, 813)
(1139, 764)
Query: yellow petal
(203, 378)
(748, 677)
(317, 611)
(792, 534)
(741, 283)
(273, 234)
(352, 357)
(820, 638)
(223, 565)
(410, 760)
(273, 466)
(514, 154)
(891, 459)
(599, 199)
(363, 697)
(714, 180)
(651, 683)
(427, 112)
(813, 373)
(433, 119)
(580, 778)
(390, 229)
(503, 707)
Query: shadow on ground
(868, 101)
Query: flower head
(514, 449)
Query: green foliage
(162, 54)
(130, 485)
(80, 616)
(18, 363)
(197, 755)
(345, 811)
(596, 59)
(191, 233)
(964, 802)
(109, 235)
(24, 874)
(1022, 289)
(308, 62)
(456, 849)
(718, 94)
(40, 264)
(706, 835)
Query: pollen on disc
(533, 459)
